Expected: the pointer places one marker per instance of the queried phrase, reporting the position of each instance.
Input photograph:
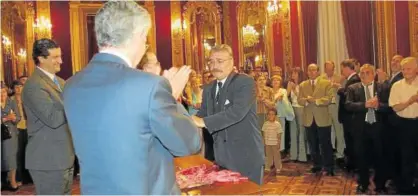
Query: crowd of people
(126, 125)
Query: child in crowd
(272, 132)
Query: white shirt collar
(371, 84)
(223, 81)
(118, 54)
(50, 75)
(354, 73)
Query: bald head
(313, 71)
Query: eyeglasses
(218, 61)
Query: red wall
(163, 33)
(60, 19)
(294, 25)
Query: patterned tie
(370, 116)
(57, 83)
(219, 92)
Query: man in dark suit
(228, 112)
(390, 135)
(126, 124)
(368, 102)
(49, 152)
(344, 116)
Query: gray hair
(117, 21)
(409, 60)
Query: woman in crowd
(10, 117)
(297, 130)
(196, 95)
(264, 96)
(281, 103)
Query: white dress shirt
(217, 87)
(402, 92)
(371, 91)
(50, 75)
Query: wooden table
(240, 188)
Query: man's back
(126, 127)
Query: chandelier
(22, 55)
(250, 36)
(7, 46)
(42, 27)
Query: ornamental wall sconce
(178, 28)
(42, 27)
(7, 47)
(276, 10)
(22, 55)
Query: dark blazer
(356, 100)
(343, 114)
(236, 133)
(50, 144)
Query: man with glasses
(368, 102)
(228, 111)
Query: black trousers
(349, 144)
(319, 139)
(391, 150)
(22, 174)
(207, 138)
(409, 150)
(368, 142)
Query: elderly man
(368, 103)
(228, 112)
(315, 95)
(404, 101)
(126, 124)
(329, 68)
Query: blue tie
(57, 83)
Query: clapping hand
(178, 78)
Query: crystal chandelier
(7, 46)
(250, 36)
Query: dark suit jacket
(356, 100)
(237, 137)
(50, 144)
(398, 77)
(343, 114)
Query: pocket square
(226, 102)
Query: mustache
(216, 70)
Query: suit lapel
(362, 95)
(224, 92)
(211, 100)
(48, 80)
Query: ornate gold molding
(30, 17)
(43, 9)
(190, 8)
(301, 36)
(78, 29)
(226, 23)
(176, 40)
(149, 5)
(413, 27)
(242, 8)
(287, 41)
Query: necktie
(57, 83)
(313, 85)
(219, 92)
(370, 116)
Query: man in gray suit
(49, 152)
(228, 112)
